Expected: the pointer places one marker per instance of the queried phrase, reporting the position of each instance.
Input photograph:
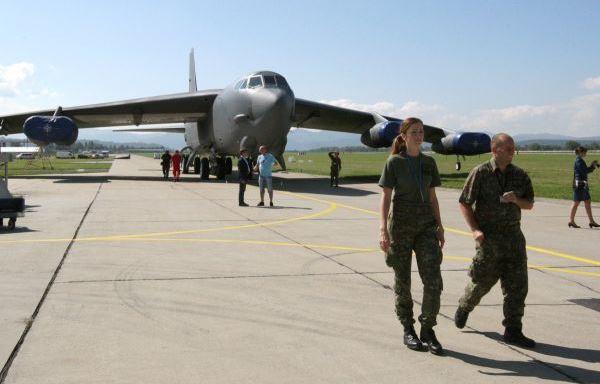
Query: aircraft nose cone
(271, 101)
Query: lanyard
(417, 175)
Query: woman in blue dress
(581, 191)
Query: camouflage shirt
(404, 173)
(484, 186)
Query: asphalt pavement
(125, 278)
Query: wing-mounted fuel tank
(43, 130)
(381, 134)
(465, 143)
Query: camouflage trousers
(501, 257)
(413, 228)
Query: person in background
(581, 190)
(166, 164)
(264, 166)
(336, 167)
(176, 161)
(244, 175)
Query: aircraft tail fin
(192, 79)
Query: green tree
(571, 145)
(535, 147)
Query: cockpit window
(255, 82)
(282, 83)
(270, 81)
(241, 84)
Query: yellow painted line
(563, 270)
(563, 255)
(332, 207)
(545, 251)
(329, 202)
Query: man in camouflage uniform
(336, 166)
(491, 203)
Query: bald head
(501, 139)
(503, 149)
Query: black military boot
(460, 318)
(428, 338)
(411, 340)
(514, 335)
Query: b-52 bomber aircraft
(258, 109)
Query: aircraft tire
(221, 170)
(186, 165)
(197, 165)
(457, 166)
(11, 223)
(228, 166)
(204, 168)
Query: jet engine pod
(43, 130)
(466, 143)
(381, 135)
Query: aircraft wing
(159, 128)
(167, 109)
(311, 114)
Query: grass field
(35, 167)
(551, 174)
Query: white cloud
(579, 116)
(410, 108)
(11, 76)
(15, 97)
(591, 83)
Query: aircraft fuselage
(256, 110)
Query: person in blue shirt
(581, 191)
(264, 166)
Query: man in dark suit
(244, 175)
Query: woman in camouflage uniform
(413, 225)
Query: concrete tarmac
(125, 278)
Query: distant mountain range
(551, 139)
(298, 139)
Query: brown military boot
(411, 340)
(514, 335)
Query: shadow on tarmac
(587, 355)
(552, 371)
(281, 207)
(315, 185)
(17, 229)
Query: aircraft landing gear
(457, 166)
(214, 165)
(228, 166)
(186, 165)
(197, 165)
(11, 224)
(204, 168)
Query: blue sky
(467, 65)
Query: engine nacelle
(43, 130)
(381, 135)
(466, 143)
